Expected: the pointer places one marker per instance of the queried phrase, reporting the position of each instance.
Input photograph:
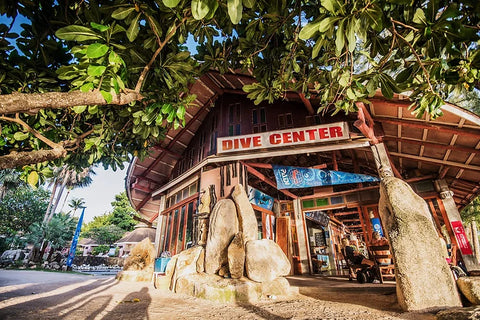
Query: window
(313, 120)
(234, 119)
(259, 120)
(182, 194)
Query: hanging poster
(461, 237)
(377, 226)
(297, 177)
(259, 198)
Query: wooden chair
(382, 252)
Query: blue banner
(259, 198)
(377, 226)
(296, 177)
(73, 247)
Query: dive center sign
(289, 137)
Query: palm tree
(66, 178)
(75, 204)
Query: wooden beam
(162, 149)
(438, 127)
(139, 187)
(362, 125)
(336, 214)
(432, 144)
(144, 201)
(437, 161)
(265, 179)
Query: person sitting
(354, 257)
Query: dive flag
(73, 247)
(297, 177)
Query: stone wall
(96, 261)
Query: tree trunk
(20, 159)
(475, 242)
(52, 196)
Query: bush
(100, 249)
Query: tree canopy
(97, 81)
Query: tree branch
(31, 102)
(419, 60)
(145, 70)
(37, 134)
(20, 159)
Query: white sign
(289, 137)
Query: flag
(73, 247)
(297, 177)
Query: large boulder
(246, 215)
(236, 256)
(189, 261)
(222, 229)
(265, 260)
(470, 287)
(220, 290)
(424, 280)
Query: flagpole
(73, 247)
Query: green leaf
(170, 3)
(326, 23)
(330, 5)
(340, 39)
(122, 13)
(352, 40)
(200, 9)
(93, 109)
(344, 79)
(96, 50)
(134, 28)
(99, 27)
(248, 3)
(419, 17)
(106, 95)
(95, 70)
(235, 9)
(86, 87)
(79, 109)
(77, 33)
(181, 112)
(350, 94)
(20, 136)
(309, 30)
(33, 178)
(316, 48)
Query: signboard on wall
(289, 137)
(318, 216)
(259, 198)
(461, 237)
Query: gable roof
(447, 147)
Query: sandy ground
(45, 295)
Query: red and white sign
(289, 137)
(461, 237)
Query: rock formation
(139, 265)
(229, 256)
(418, 253)
(222, 229)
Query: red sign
(461, 237)
(282, 138)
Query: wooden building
(227, 140)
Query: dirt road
(45, 295)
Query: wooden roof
(447, 148)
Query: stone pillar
(424, 280)
(159, 237)
(455, 223)
(303, 248)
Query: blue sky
(99, 195)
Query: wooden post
(303, 246)
(455, 224)
(475, 241)
(158, 231)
